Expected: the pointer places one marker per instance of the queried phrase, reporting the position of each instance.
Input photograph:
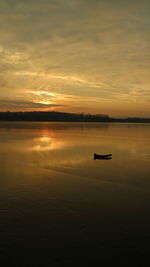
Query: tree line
(64, 116)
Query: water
(60, 207)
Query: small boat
(100, 156)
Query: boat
(104, 156)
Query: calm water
(59, 207)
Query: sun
(45, 102)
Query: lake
(60, 207)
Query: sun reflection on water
(45, 143)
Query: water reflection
(55, 199)
(70, 147)
(45, 143)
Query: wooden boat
(100, 156)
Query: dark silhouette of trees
(63, 116)
(50, 116)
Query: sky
(90, 56)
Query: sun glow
(46, 143)
(44, 102)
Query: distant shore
(54, 116)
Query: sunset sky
(89, 56)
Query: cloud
(87, 49)
(24, 105)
